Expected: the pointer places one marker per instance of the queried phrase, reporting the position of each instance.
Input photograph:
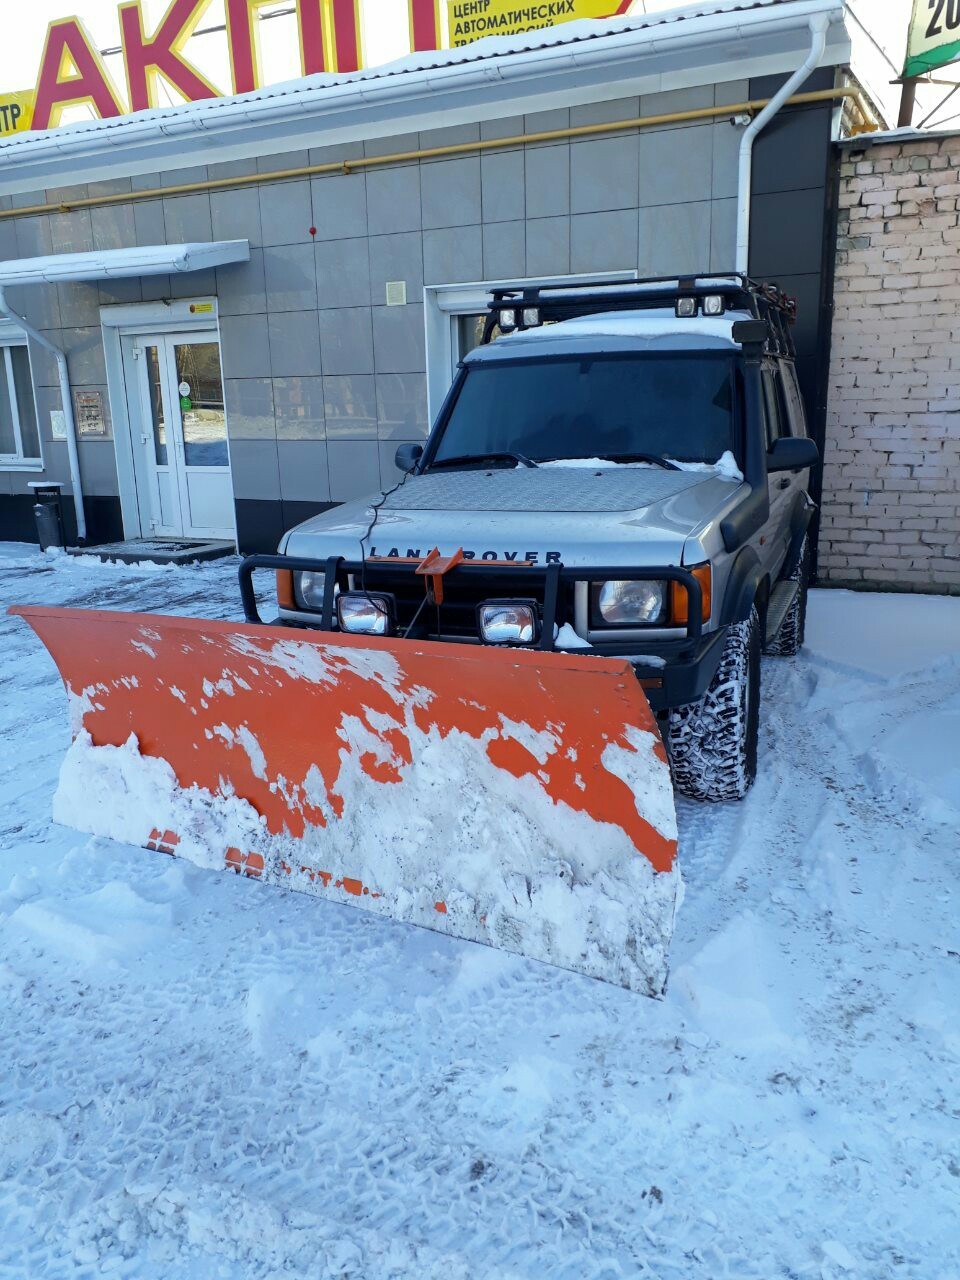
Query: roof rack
(527, 306)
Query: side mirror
(792, 453)
(407, 457)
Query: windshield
(666, 405)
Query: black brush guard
(545, 582)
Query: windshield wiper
(498, 456)
(641, 457)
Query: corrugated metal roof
(502, 76)
(486, 50)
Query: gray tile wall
(322, 379)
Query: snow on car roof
(652, 326)
(644, 324)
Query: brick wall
(891, 481)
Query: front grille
(463, 590)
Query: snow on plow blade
(510, 797)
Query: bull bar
(548, 576)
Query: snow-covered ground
(203, 1078)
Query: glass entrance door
(184, 443)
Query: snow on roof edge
(302, 92)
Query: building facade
(260, 298)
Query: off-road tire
(788, 641)
(713, 743)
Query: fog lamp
(508, 621)
(714, 304)
(631, 604)
(362, 613)
(309, 588)
(686, 307)
(531, 317)
(508, 319)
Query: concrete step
(158, 550)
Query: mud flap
(510, 797)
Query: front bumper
(672, 671)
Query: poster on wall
(88, 409)
(934, 38)
(154, 64)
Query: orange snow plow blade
(510, 797)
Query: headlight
(309, 589)
(508, 621)
(366, 614)
(630, 604)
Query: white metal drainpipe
(67, 401)
(819, 25)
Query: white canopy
(115, 264)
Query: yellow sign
(473, 19)
(72, 71)
(16, 112)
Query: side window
(19, 437)
(794, 400)
(777, 424)
(469, 334)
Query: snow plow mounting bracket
(433, 567)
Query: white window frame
(443, 304)
(18, 461)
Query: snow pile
(725, 467)
(567, 638)
(119, 793)
(590, 464)
(541, 878)
(97, 928)
(908, 750)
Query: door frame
(121, 325)
(178, 470)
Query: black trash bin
(48, 513)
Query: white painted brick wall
(891, 476)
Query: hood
(579, 515)
(541, 489)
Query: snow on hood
(725, 466)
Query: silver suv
(618, 469)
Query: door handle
(783, 484)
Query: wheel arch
(745, 588)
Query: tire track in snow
(203, 1078)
